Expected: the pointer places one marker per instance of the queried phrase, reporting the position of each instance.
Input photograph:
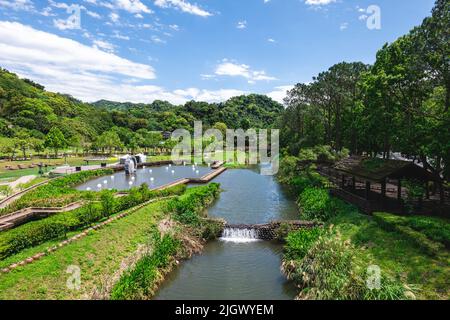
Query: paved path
(21, 180)
(8, 200)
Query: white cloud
(47, 12)
(103, 45)
(241, 24)
(132, 6)
(114, 17)
(343, 26)
(66, 24)
(279, 93)
(183, 6)
(25, 48)
(271, 40)
(232, 69)
(319, 2)
(93, 14)
(363, 17)
(87, 73)
(156, 39)
(118, 35)
(25, 5)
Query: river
(238, 267)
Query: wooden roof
(376, 169)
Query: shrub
(330, 271)
(108, 203)
(434, 228)
(188, 207)
(30, 235)
(211, 229)
(308, 179)
(5, 190)
(288, 169)
(316, 204)
(299, 242)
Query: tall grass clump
(142, 280)
(299, 242)
(332, 270)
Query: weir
(266, 231)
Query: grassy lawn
(99, 255)
(397, 255)
(72, 161)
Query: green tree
(23, 142)
(55, 140)
(109, 140)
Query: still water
(238, 267)
(153, 176)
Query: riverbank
(356, 256)
(103, 256)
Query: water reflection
(154, 177)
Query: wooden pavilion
(376, 184)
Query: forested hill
(28, 110)
(243, 111)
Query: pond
(238, 266)
(153, 176)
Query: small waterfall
(239, 235)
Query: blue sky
(178, 50)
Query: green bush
(211, 229)
(187, 208)
(330, 271)
(288, 169)
(108, 202)
(299, 242)
(316, 204)
(139, 282)
(308, 179)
